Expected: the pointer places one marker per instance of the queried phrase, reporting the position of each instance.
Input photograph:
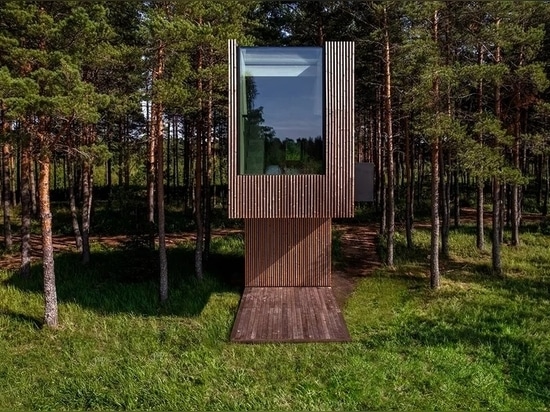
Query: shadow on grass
(533, 283)
(34, 321)
(126, 281)
(490, 328)
(485, 330)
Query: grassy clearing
(478, 343)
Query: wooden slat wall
(232, 121)
(339, 77)
(316, 196)
(287, 252)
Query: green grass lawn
(479, 343)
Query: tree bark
(6, 195)
(435, 148)
(515, 210)
(546, 162)
(388, 120)
(199, 245)
(151, 161)
(156, 158)
(158, 131)
(456, 188)
(73, 208)
(50, 292)
(26, 208)
(187, 193)
(496, 262)
(480, 229)
(409, 217)
(87, 195)
(208, 165)
(497, 219)
(480, 198)
(380, 181)
(434, 257)
(445, 205)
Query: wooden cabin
(291, 157)
(291, 164)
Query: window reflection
(281, 116)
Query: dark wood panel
(289, 314)
(287, 252)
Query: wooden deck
(289, 314)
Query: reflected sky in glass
(289, 85)
(289, 106)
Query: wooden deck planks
(289, 314)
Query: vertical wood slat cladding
(287, 252)
(302, 196)
(232, 132)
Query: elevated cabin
(291, 160)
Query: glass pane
(281, 116)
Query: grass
(479, 343)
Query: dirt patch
(358, 251)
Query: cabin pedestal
(288, 252)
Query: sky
(290, 106)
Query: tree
(53, 99)
(388, 127)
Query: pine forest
(114, 126)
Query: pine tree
(39, 54)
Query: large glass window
(281, 110)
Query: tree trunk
(26, 208)
(168, 164)
(176, 157)
(409, 218)
(73, 208)
(151, 151)
(434, 256)
(380, 193)
(120, 153)
(456, 188)
(6, 195)
(390, 193)
(445, 205)
(515, 215)
(480, 198)
(87, 194)
(538, 165)
(546, 184)
(50, 292)
(435, 148)
(480, 230)
(497, 265)
(158, 131)
(187, 168)
(208, 174)
(199, 245)
(126, 154)
(515, 210)
(497, 192)
(34, 192)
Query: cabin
(291, 170)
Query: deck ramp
(289, 314)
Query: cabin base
(287, 252)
